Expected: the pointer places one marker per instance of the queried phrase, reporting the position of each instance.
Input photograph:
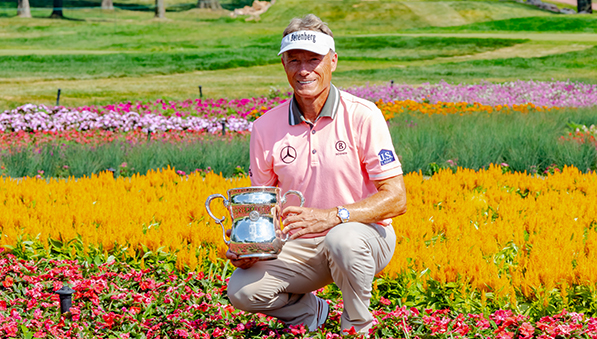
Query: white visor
(311, 41)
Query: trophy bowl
(256, 220)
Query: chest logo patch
(386, 157)
(288, 154)
(340, 146)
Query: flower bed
(220, 115)
(548, 94)
(471, 241)
(31, 118)
(95, 137)
(113, 299)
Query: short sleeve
(377, 150)
(261, 171)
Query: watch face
(343, 213)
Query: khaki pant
(349, 255)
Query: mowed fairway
(104, 57)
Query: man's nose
(305, 68)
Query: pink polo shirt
(333, 162)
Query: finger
(231, 255)
(247, 263)
(297, 234)
(293, 227)
(291, 210)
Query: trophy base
(260, 256)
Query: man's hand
(387, 203)
(235, 260)
(303, 220)
(240, 263)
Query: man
(336, 149)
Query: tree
(57, 11)
(107, 4)
(584, 6)
(160, 9)
(211, 4)
(23, 9)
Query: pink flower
(297, 329)
(218, 332)
(182, 333)
(526, 330)
(385, 301)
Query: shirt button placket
(314, 159)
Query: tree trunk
(23, 9)
(57, 11)
(107, 4)
(211, 4)
(160, 9)
(584, 6)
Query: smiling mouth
(306, 82)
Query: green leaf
(97, 260)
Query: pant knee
(239, 294)
(247, 294)
(346, 247)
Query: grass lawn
(101, 57)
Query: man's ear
(334, 57)
(282, 59)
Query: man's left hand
(303, 220)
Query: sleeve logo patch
(386, 157)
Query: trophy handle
(219, 221)
(297, 193)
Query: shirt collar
(330, 108)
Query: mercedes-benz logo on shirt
(288, 154)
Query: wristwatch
(343, 214)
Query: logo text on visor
(303, 36)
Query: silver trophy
(256, 220)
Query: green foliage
(229, 156)
(526, 142)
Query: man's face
(308, 73)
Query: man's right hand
(240, 263)
(235, 260)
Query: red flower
(8, 282)
(147, 284)
(297, 329)
(109, 319)
(350, 331)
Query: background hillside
(101, 57)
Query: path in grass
(547, 36)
